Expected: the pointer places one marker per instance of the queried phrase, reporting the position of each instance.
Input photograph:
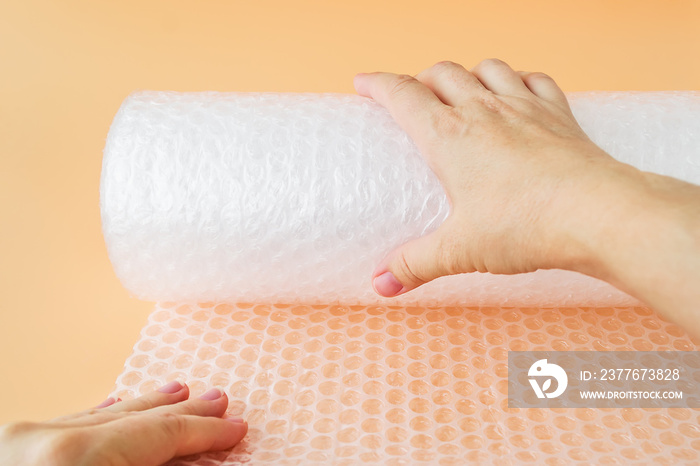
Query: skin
(528, 191)
(149, 430)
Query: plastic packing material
(404, 385)
(296, 198)
(256, 220)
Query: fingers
(151, 439)
(451, 83)
(499, 78)
(212, 403)
(154, 435)
(418, 103)
(62, 419)
(170, 393)
(545, 88)
(410, 102)
(413, 264)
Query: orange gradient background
(66, 324)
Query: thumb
(412, 264)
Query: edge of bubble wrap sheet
(404, 385)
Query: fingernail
(357, 83)
(172, 387)
(108, 402)
(235, 420)
(211, 395)
(387, 285)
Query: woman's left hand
(149, 430)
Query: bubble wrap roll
(294, 198)
(285, 199)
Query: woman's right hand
(529, 190)
(512, 159)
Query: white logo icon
(542, 369)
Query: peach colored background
(66, 324)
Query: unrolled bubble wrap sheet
(256, 221)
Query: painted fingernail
(387, 285)
(108, 402)
(358, 82)
(172, 387)
(211, 395)
(235, 420)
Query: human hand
(149, 430)
(517, 169)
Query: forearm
(644, 238)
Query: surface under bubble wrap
(404, 385)
(296, 197)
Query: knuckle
(539, 75)
(406, 272)
(446, 65)
(61, 446)
(448, 123)
(192, 407)
(449, 71)
(173, 425)
(147, 402)
(491, 103)
(399, 85)
(491, 63)
(449, 252)
(15, 429)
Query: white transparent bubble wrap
(257, 220)
(348, 385)
(295, 198)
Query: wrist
(640, 232)
(600, 210)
